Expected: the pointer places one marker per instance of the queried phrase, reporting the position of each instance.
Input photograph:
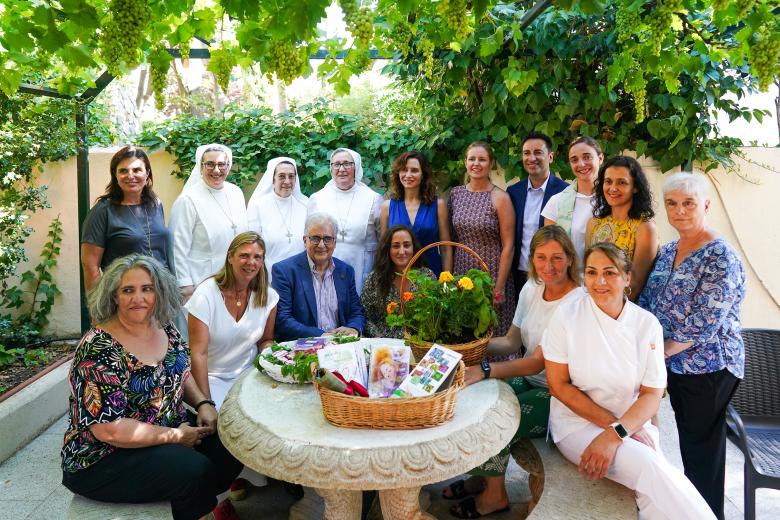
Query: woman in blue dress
(413, 202)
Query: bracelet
(209, 401)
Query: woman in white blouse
(231, 317)
(605, 368)
(207, 215)
(277, 210)
(355, 207)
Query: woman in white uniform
(277, 211)
(605, 368)
(231, 318)
(355, 207)
(207, 215)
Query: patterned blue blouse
(700, 301)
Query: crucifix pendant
(289, 236)
(343, 234)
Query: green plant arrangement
(450, 310)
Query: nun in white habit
(277, 211)
(355, 207)
(205, 217)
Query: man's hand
(346, 331)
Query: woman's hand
(190, 436)
(474, 374)
(498, 297)
(207, 416)
(644, 437)
(598, 456)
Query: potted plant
(454, 311)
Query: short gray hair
(687, 182)
(101, 300)
(320, 217)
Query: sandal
(458, 490)
(468, 509)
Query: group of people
(587, 363)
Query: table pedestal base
(341, 504)
(402, 504)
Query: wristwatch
(620, 430)
(485, 366)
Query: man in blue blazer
(317, 292)
(529, 197)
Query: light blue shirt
(325, 295)
(533, 208)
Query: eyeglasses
(210, 165)
(336, 166)
(316, 239)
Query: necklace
(285, 220)
(230, 216)
(148, 228)
(343, 219)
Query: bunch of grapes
(720, 5)
(402, 35)
(763, 56)
(660, 21)
(350, 8)
(184, 48)
(359, 60)
(285, 60)
(425, 46)
(362, 27)
(121, 37)
(637, 87)
(454, 14)
(221, 64)
(744, 7)
(159, 63)
(626, 23)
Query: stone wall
(745, 209)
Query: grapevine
(221, 64)
(285, 60)
(660, 21)
(626, 23)
(159, 63)
(744, 7)
(454, 14)
(763, 56)
(402, 35)
(122, 34)
(426, 47)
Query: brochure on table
(430, 373)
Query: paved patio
(30, 486)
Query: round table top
(279, 430)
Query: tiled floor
(30, 486)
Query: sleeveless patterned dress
(475, 224)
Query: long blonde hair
(225, 278)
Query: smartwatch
(620, 430)
(485, 366)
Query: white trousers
(663, 492)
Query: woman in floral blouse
(129, 438)
(695, 290)
(396, 247)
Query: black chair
(753, 417)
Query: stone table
(278, 430)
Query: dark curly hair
(642, 201)
(427, 188)
(384, 267)
(114, 192)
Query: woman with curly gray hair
(129, 436)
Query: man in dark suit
(317, 292)
(529, 197)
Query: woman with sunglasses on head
(355, 207)
(623, 215)
(206, 217)
(277, 210)
(127, 218)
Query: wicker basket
(473, 352)
(407, 413)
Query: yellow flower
(446, 276)
(465, 283)
(391, 307)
